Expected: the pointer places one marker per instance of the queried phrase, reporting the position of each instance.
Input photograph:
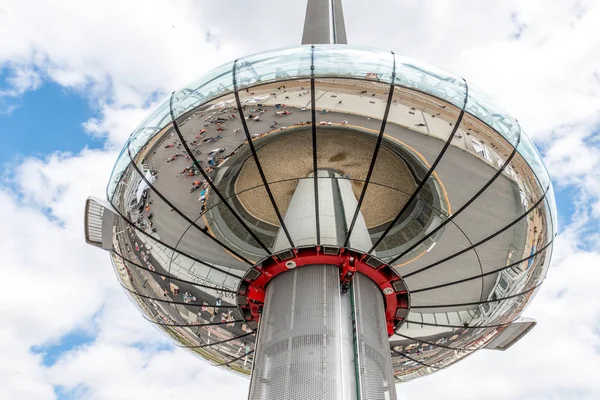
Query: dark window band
(538, 252)
(440, 345)
(194, 325)
(171, 277)
(461, 326)
(202, 346)
(412, 359)
(224, 364)
(182, 303)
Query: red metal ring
(251, 292)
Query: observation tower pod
(329, 219)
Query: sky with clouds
(77, 76)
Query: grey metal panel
(327, 210)
(360, 238)
(305, 346)
(375, 361)
(511, 334)
(301, 216)
(301, 339)
(316, 23)
(338, 23)
(99, 222)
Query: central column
(305, 346)
(315, 342)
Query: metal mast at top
(324, 23)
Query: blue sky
(68, 330)
(44, 121)
(53, 351)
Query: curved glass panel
(426, 78)
(552, 205)
(116, 177)
(276, 65)
(216, 82)
(354, 61)
(482, 107)
(153, 124)
(529, 152)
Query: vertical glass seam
(128, 222)
(203, 230)
(375, 153)
(255, 155)
(314, 142)
(209, 181)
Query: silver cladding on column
(305, 344)
(336, 209)
(374, 358)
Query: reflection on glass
(153, 124)
(214, 83)
(277, 65)
(480, 106)
(354, 61)
(527, 149)
(425, 78)
(197, 211)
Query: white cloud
(127, 353)
(116, 124)
(573, 160)
(44, 258)
(23, 78)
(123, 55)
(118, 51)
